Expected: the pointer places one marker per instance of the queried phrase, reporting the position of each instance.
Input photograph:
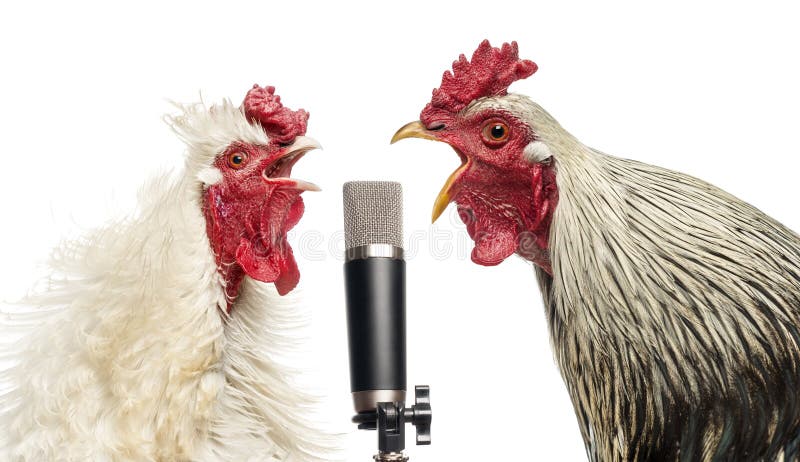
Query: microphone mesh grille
(373, 213)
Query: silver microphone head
(373, 219)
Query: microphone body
(376, 325)
(374, 273)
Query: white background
(708, 89)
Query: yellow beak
(413, 130)
(417, 130)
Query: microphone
(375, 293)
(374, 273)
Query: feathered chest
(672, 305)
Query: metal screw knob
(420, 414)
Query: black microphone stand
(389, 420)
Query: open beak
(417, 130)
(280, 170)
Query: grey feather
(673, 310)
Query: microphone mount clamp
(389, 419)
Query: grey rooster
(673, 307)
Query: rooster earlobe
(209, 176)
(537, 152)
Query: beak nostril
(417, 130)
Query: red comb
(490, 73)
(282, 124)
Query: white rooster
(158, 339)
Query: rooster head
(243, 157)
(505, 186)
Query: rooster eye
(495, 132)
(236, 160)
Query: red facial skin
(506, 202)
(248, 214)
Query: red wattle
(264, 268)
(289, 275)
(520, 223)
(294, 214)
(492, 247)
